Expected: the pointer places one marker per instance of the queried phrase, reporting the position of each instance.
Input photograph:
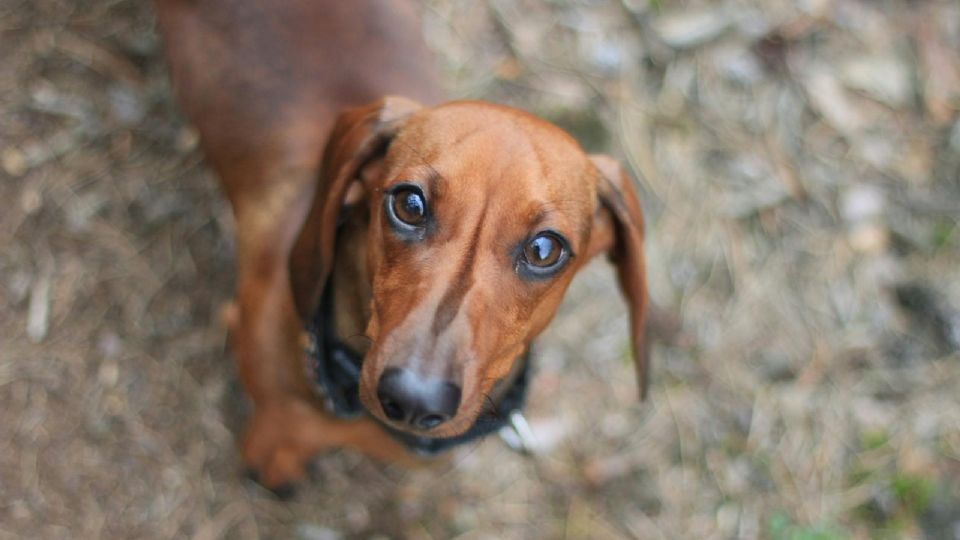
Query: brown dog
(444, 235)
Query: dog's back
(269, 76)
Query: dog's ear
(618, 229)
(359, 136)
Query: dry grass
(800, 166)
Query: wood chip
(38, 314)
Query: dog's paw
(283, 492)
(279, 443)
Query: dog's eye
(543, 251)
(543, 255)
(409, 206)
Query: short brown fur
(288, 98)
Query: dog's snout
(422, 403)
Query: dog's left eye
(543, 255)
(543, 251)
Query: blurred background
(799, 163)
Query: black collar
(334, 369)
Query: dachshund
(396, 254)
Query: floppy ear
(619, 230)
(359, 136)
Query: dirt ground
(800, 168)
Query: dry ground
(800, 166)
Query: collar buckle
(518, 436)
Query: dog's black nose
(422, 403)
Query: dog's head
(478, 218)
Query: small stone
(81, 210)
(955, 137)
(638, 7)
(617, 425)
(606, 55)
(814, 7)
(869, 238)
(508, 69)
(126, 105)
(115, 405)
(30, 200)
(18, 287)
(728, 515)
(885, 78)
(358, 516)
(687, 29)
(309, 531)
(20, 511)
(187, 139)
(600, 471)
(465, 518)
(877, 149)
(739, 66)
(872, 414)
(172, 477)
(108, 374)
(109, 345)
(862, 202)
(953, 330)
(38, 313)
(13, 161)
(829, 99)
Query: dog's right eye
(407, 211)
(409, 206)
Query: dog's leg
(287, 427)
(269, 209)
(286, 435)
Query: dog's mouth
(451, 428)
(470, 415)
